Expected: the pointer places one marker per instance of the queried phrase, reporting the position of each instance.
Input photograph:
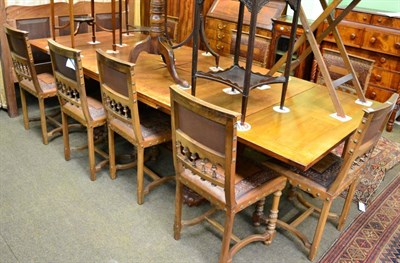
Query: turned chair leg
(320, 229)
(140, 175)
(258, 214)
(178, 210)
(43, 122)
(273, 217)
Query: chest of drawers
(221, 25)
(377, 37)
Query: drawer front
(351, 36)
(390, 22)
(220, 47)
(211, 33)
(380, 41)
(385, 78)
(377, 93)
(285, 29)
(388, 62)
(356, 16)
(220, 25)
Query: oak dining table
(301, 137)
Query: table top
(301, 137)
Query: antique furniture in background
(157, 42)
(206, 161)
(143, 130)
(34, 79)
(70, 82)
(328, 178)
(36, 20)
(280, 37)
(243, 79)
(90, 21)
(221, 26)
(184, 12)
(338, 72)
(284, 140)
(313, 46)
(375, 36)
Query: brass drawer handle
(397, 45)
(282, 28)
(221, 26)
(378, 77)
(220, 47)
(364, 18)
(353, 36)
(380, 20)
(220, 36)
(372, 40)
(382, 60)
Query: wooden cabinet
(221, 25)
(182, 12)
(279, 45)
(377, 37)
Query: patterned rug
(385, 155)
(374, 236)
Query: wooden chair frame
(120, 101)
(358, 146)
(339, 74)
(206, 165)
(26, 72)
(74, 102)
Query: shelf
(234, 77)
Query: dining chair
(89, 112)
(32, 81)
(338, 72)
(205, 146)
(333, 175)
(143, 130)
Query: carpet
(374, 236)
(385, 156)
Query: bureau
(281, 28)
(375, 36)
(221, 25)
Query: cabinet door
(184, 10)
